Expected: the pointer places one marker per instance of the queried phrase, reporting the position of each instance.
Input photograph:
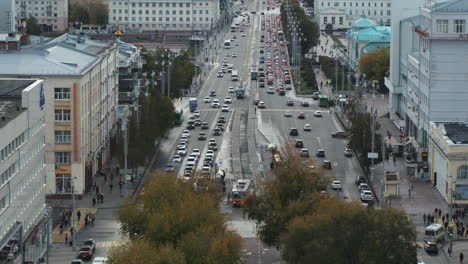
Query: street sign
(385, 194)
(129, 177)
(220, 162)
(372, 155)
(335, 163)
(122, 171)
(451, 224)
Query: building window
(336, 4)
(62, 136)
(62, 93)
(325, 20)
(462, 172)
(333, 20)
(389, 4)
(459, 26)
(4, 202)
(389, 13)
(63, 183)
(62, 157)
(442, 25)
(62, 115)
(341, 20)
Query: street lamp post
(73, 215)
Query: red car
(86, 253)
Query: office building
(81, 90)
(23, 213)
(7, 17)
(151, 15)
(51, 15)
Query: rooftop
(363, 23)
(454, 6)
(370, 34)
(10, 99)
(66, 55)
(457, 132)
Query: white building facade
(81, 88)
(339, 14)
(7, 16)
(51, 15)
(177, 15)
(23, 183)
(429, 70)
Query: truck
(193, 103)
(254, 73)
(240, 91)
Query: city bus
(323, 100)
(280, 35)
(178, 116)
(227, 44)
(240, 190)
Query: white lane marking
(319, 142)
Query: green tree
(140, 251)
(78, 13)
(174, 214)
(293, 190)
(310, 30)
(340, 232)
(375, 65)
(361, 134)
(327, 65)
(32, 27)
(97, 13)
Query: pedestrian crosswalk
(109, 244)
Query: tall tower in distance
(7, 16)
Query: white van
(434, 233)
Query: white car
(287, 114)
(231, 89)
(366, 195)
(236, 44)
(186, 132)
(207, 99)
(223, 69)
(271, 90)
(215, 105)
(220, 74)
(228, 54)
(261, 104)
(196, 113)
(307, 127)
(336, 185)
(182, 152)
(191, 161)
(210, 153)
(177, 158)
(100, 260)
(196, 151)
(225, 108)
(363, 186)
(227, 100)
(184, 136)
(318, 114)
(243, 35)
(234, 55)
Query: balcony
(423, 32)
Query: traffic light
(450, 232)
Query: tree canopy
(309, 227)
(88, 13)
(310, 30)
(175, 223)
(32, 27)
(375, 64)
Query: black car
(299, 143)
(305, 104)
(222, 120)
(431, 247)
(359, 180)
(320, 153)
(216, 132)
(293, 132)
(191, 125)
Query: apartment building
(81, 88)
(177, 15)
(429, 71)
(23, 212)
(51, 15)
(340, 14)
(7, 16)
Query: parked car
(366, 195)
(336, 185)
(363, 186)
(100, 260)
(359, 179)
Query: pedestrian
(110, 187)
(272, 165)
(71, 231)
(432, 219)
(412, 188)
(97, 190)
(461, 257)
(94, 201)
(443, 219)
(120, 185)
(61, 228)
(424, 218)
(86, 221)
(112, 174)
(409, 192)
(440, 210)
(466, 232)
(394, 159)
(66, 238)
(66, 222)
(78, 214)
(97, 197)
(102, 198)
(449, 251)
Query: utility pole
(125, 130)
(373, 141)
(336, 74)
(342, 77)
(73, 216)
